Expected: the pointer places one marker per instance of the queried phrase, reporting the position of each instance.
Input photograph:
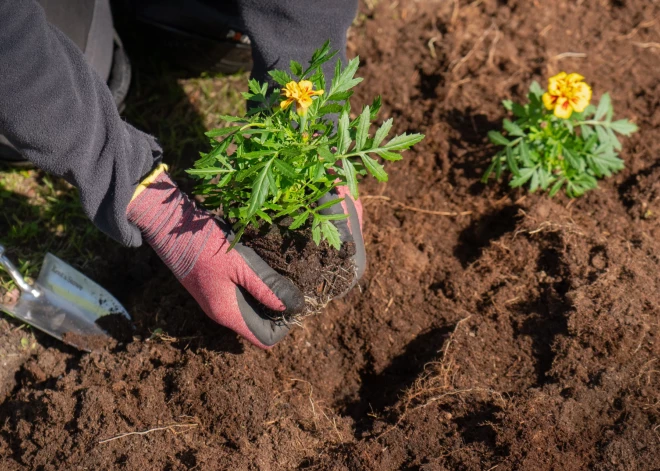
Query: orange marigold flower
(566, 93)
(301, 93)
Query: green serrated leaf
(341, 96)
(331, 234)
(351, 177)
(296, 68)
(374, 168)
(256, 154)
(498, 166)
(330, 108)
(272, 184)
(316, 231)
(603, 137)
(382, 132)
(513, 129)
(603, 107)
(362, 129)
(224, 180)
(613, 139)
(249, 171)
(544, 178)
(328, 204)
(556, 187)
(222, 131)
(260, 189)
(519, 110)
(254, 86)
(587, 131)
(525, 175)
(536, 90)
(572, 158)
(264, 216)
(345, 80)
(332, 217)
(534, 184)
(326, 154)
(231, 119)
(343, 134)
(285, 169)
(511, 162)
(497, 138)
(389, 155)
(591, 141)
(403, 141)
(299, 220)
(280, 76)
(490, 169)
(525, 155)
(376, 104)
(623, 126)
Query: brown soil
(321, 272)
(117, 327)
(88, 343)
(523, 336)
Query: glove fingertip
(287, 292)
(266, 331)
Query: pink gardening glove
(193, 245)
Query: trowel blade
(69, 306)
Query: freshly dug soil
(117, 326)
(89, 343)
(321, 272)
(523, 335)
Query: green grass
(41, 213)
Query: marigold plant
(276, 162)
(559, 140)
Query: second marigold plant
(559, 140)
(287, 153)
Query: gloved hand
(194, 246)
(350, 229)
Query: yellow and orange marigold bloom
(566, 93)
(301, 93)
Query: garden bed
(515, 333)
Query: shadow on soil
(481, 232)
(380, 391)
(546, 316)
(470, 151)
(477, 426)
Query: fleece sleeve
(285, 30)
(61, 116)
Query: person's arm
(285, 30)
(61, 116)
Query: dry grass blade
(171, 428)
(417, 210)
(650, 45)
(564, 55)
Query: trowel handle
(16, 275)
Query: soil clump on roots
(321, 272)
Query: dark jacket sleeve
(285, 30)
(57, 111)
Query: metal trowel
(63, 303)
